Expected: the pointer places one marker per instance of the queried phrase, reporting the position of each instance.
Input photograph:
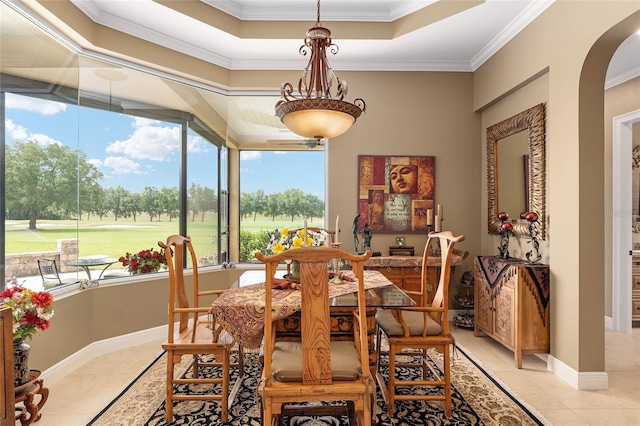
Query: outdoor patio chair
(51, 275)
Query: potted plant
(31, 312)
(144, 261)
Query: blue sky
(135, 152)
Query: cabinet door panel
(504, 305)
(483, 308)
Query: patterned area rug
(477, 400)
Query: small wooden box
(401, 251)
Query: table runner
(240, 310)
(496, 271)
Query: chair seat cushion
(414, 320)
(286, 362)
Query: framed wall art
(395, 192)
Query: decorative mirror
(525, 163)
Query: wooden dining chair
(416, 329)
(193, 332)
(316, 368)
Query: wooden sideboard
(512, 304)
(635, 290)
(404, 271)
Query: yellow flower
(278, 248)
(297, 242)
(284, 232)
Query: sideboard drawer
(635, 309)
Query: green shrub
(250, 242)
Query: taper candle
(437, 223)
(304, 240)
(440, 211)
(337, 229)
(429, 216)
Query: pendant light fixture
(314, 112)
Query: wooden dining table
(240, 309)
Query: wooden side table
(30, 412)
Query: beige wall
(567, 40)
(98, 313)
(560, 58)
(418, 114)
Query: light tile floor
(79, 396)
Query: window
(278, 189)
(99, 157)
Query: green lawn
(115, 238)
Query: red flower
(507, 226)
(144, 261)
(30, 311)
(42, 299)
(9, 292)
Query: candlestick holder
(532, 218)
(336, 267)
(505, 230)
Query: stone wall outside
(26, 264)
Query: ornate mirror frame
(531, 120)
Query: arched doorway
(592, 188)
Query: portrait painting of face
(403, 179)
(395, 192)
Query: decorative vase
(21, 363)
(295, 271)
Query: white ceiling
(461, 42)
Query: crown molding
(340, 10)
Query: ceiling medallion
(313, 112)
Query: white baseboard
(585, 380)
(608, 322)
(67, 365)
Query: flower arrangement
(144, 261)
(31, 311)
(281, 240)
(208, 259)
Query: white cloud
(43, 139)
(39, 106)
(15, 132)
(18, 133)
(250, 155)
(96, 162)
(196, 144)
(122, 165)
(149, 141)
